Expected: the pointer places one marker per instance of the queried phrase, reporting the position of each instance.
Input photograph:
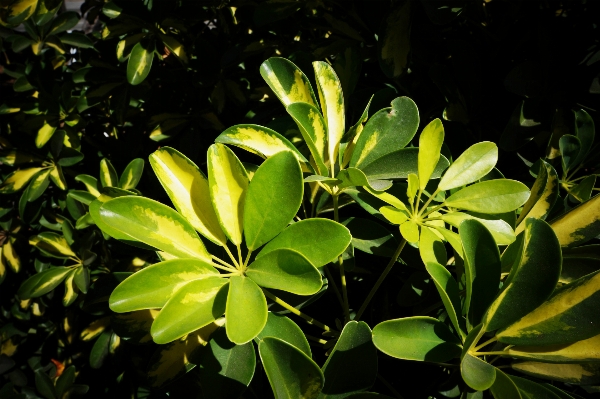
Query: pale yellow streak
(566, 227)
(582, 350)
(369, 146)
(332, 105)
(320, 134)
(562, 372)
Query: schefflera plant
(193, 287)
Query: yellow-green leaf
(189, 191)
(38, 185)
(91, 184)
(43, 282)
(108, 174)
(572, 373)
(431, 247)
(9, 257)
(543, 196)
(501, 231)
(132, 174)
(17, 180)
(587, 350)
(394, 215)
(413, 187)
(473, 164)
(332, 105)
(228, 182)
(71, 290)
(410, 231)
(579, 225)
(287, 81)
(58, 178)
(44, 134)
(430, 146)
(52, 244)
(139, 63)
(246, 311)
(313, 130)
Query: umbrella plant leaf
(132, 174)
(399, 164)
(578, 225)
(281, 327)
(38, 185)
(287, 81)
(389, 130)
(287, 270)
(152, 286)
(570, 147)
(531, 281)
(42, 283)
(108, 174)
(319, 240)
(246, 312)
(314, 131)
(16, 180)
(273, 199)
(410, 231)
(501, 231)
(571, 373)
(139, 63)
(154, 224)
(53, 244)
(491, 196)
(352, 365)
(477, 373)
(584, 126)
(587, 350)
(332, 105)
(543, 196)
(430, 146)
(473, 164)
(228, 183)
(416, 338)
(189, 191)
(204, 298)
(504, 387)
(530, 389)
(449, 292)
(291, 373)
(583, 191)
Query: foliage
(325, 251)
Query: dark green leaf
(285, 329)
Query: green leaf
(416, 338)
(393, 45)
(543, 196)
(273, 199)
(65, 381)
(154, 224)
(319, 240)
(572, 373)
(351, 177)
(371, 237)
(108, 174)
(478, 374)
(246, 312)
(587, 350)
(579, 225)
(205, 299)
(189, 191)
(491, 196)
(228, 183)
(286, 270)
(431, 247)
(530, 389)
(482, 269)
(38, 185)
(389, 130)
(410, 231)
(583, 191)
(476, 162)
(77, 40)
(584, 126)
(452, 238)
(291, 373)
(57, 177)
(152, 286)
(570, 147)
(226, 369)
(448, 290)
(350, 138)
(132, 174)
(16, 180)
(430, 146)
(44, 384)
(504, 387)
(42, 283)
(332, 105)
(52, 244)
(63, 22)
(100, 350)
(413, 187)
(352, 365)
(532, 278)
(501, 231)
(568, 316)
(139, 63)
(82, 196)
(259, 140)
(281, 327)
(313, 130)
(287, 81)
(91, 184)
(399, 164)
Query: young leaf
(291, 373)
(58, 178)
(413, 187)
(431, 247)
(273, 199)
(313, 130)
(281, 327)
(482, 269)
(448, 290)
(287, 81)
(389, 130)
(42, 283)
(152, 286)
(430, 145)
(531, 281)
(205, 299)
(352, 365)
(228, 182)
(476, 162)
(320, 240)
(332, 105)
(132, 174)
(579, 225)
(501, 231)
(246, 311)
(139, 63)
(491, 196)
(189, 191)
(108, 174)
(543, 196)
(416, 338)
(226, 369)
(154, 224)
(394, 215)
(410, 231)
(286, 270)
(478, 374)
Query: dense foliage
(395, 198)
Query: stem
(222, 262)
(431, 197)
(346, 307)
(240, 258)
(385, 272)
(315, 339)
(295, 311)
(334, 285)
(229, 269)
(486, 343)
(237, 266)
(433, 210)
(245, 264)
(496, 353)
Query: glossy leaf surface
(430, 145)
(501, 231)
(448, 289)
(543, 196)
(139, 63)
(399, 164)
(579, 225)
(314, 131)
(478, 374)
(491, 196)
(470, 166)
(246, 312)
(287, 81)
(281, 327)
(332, 105)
